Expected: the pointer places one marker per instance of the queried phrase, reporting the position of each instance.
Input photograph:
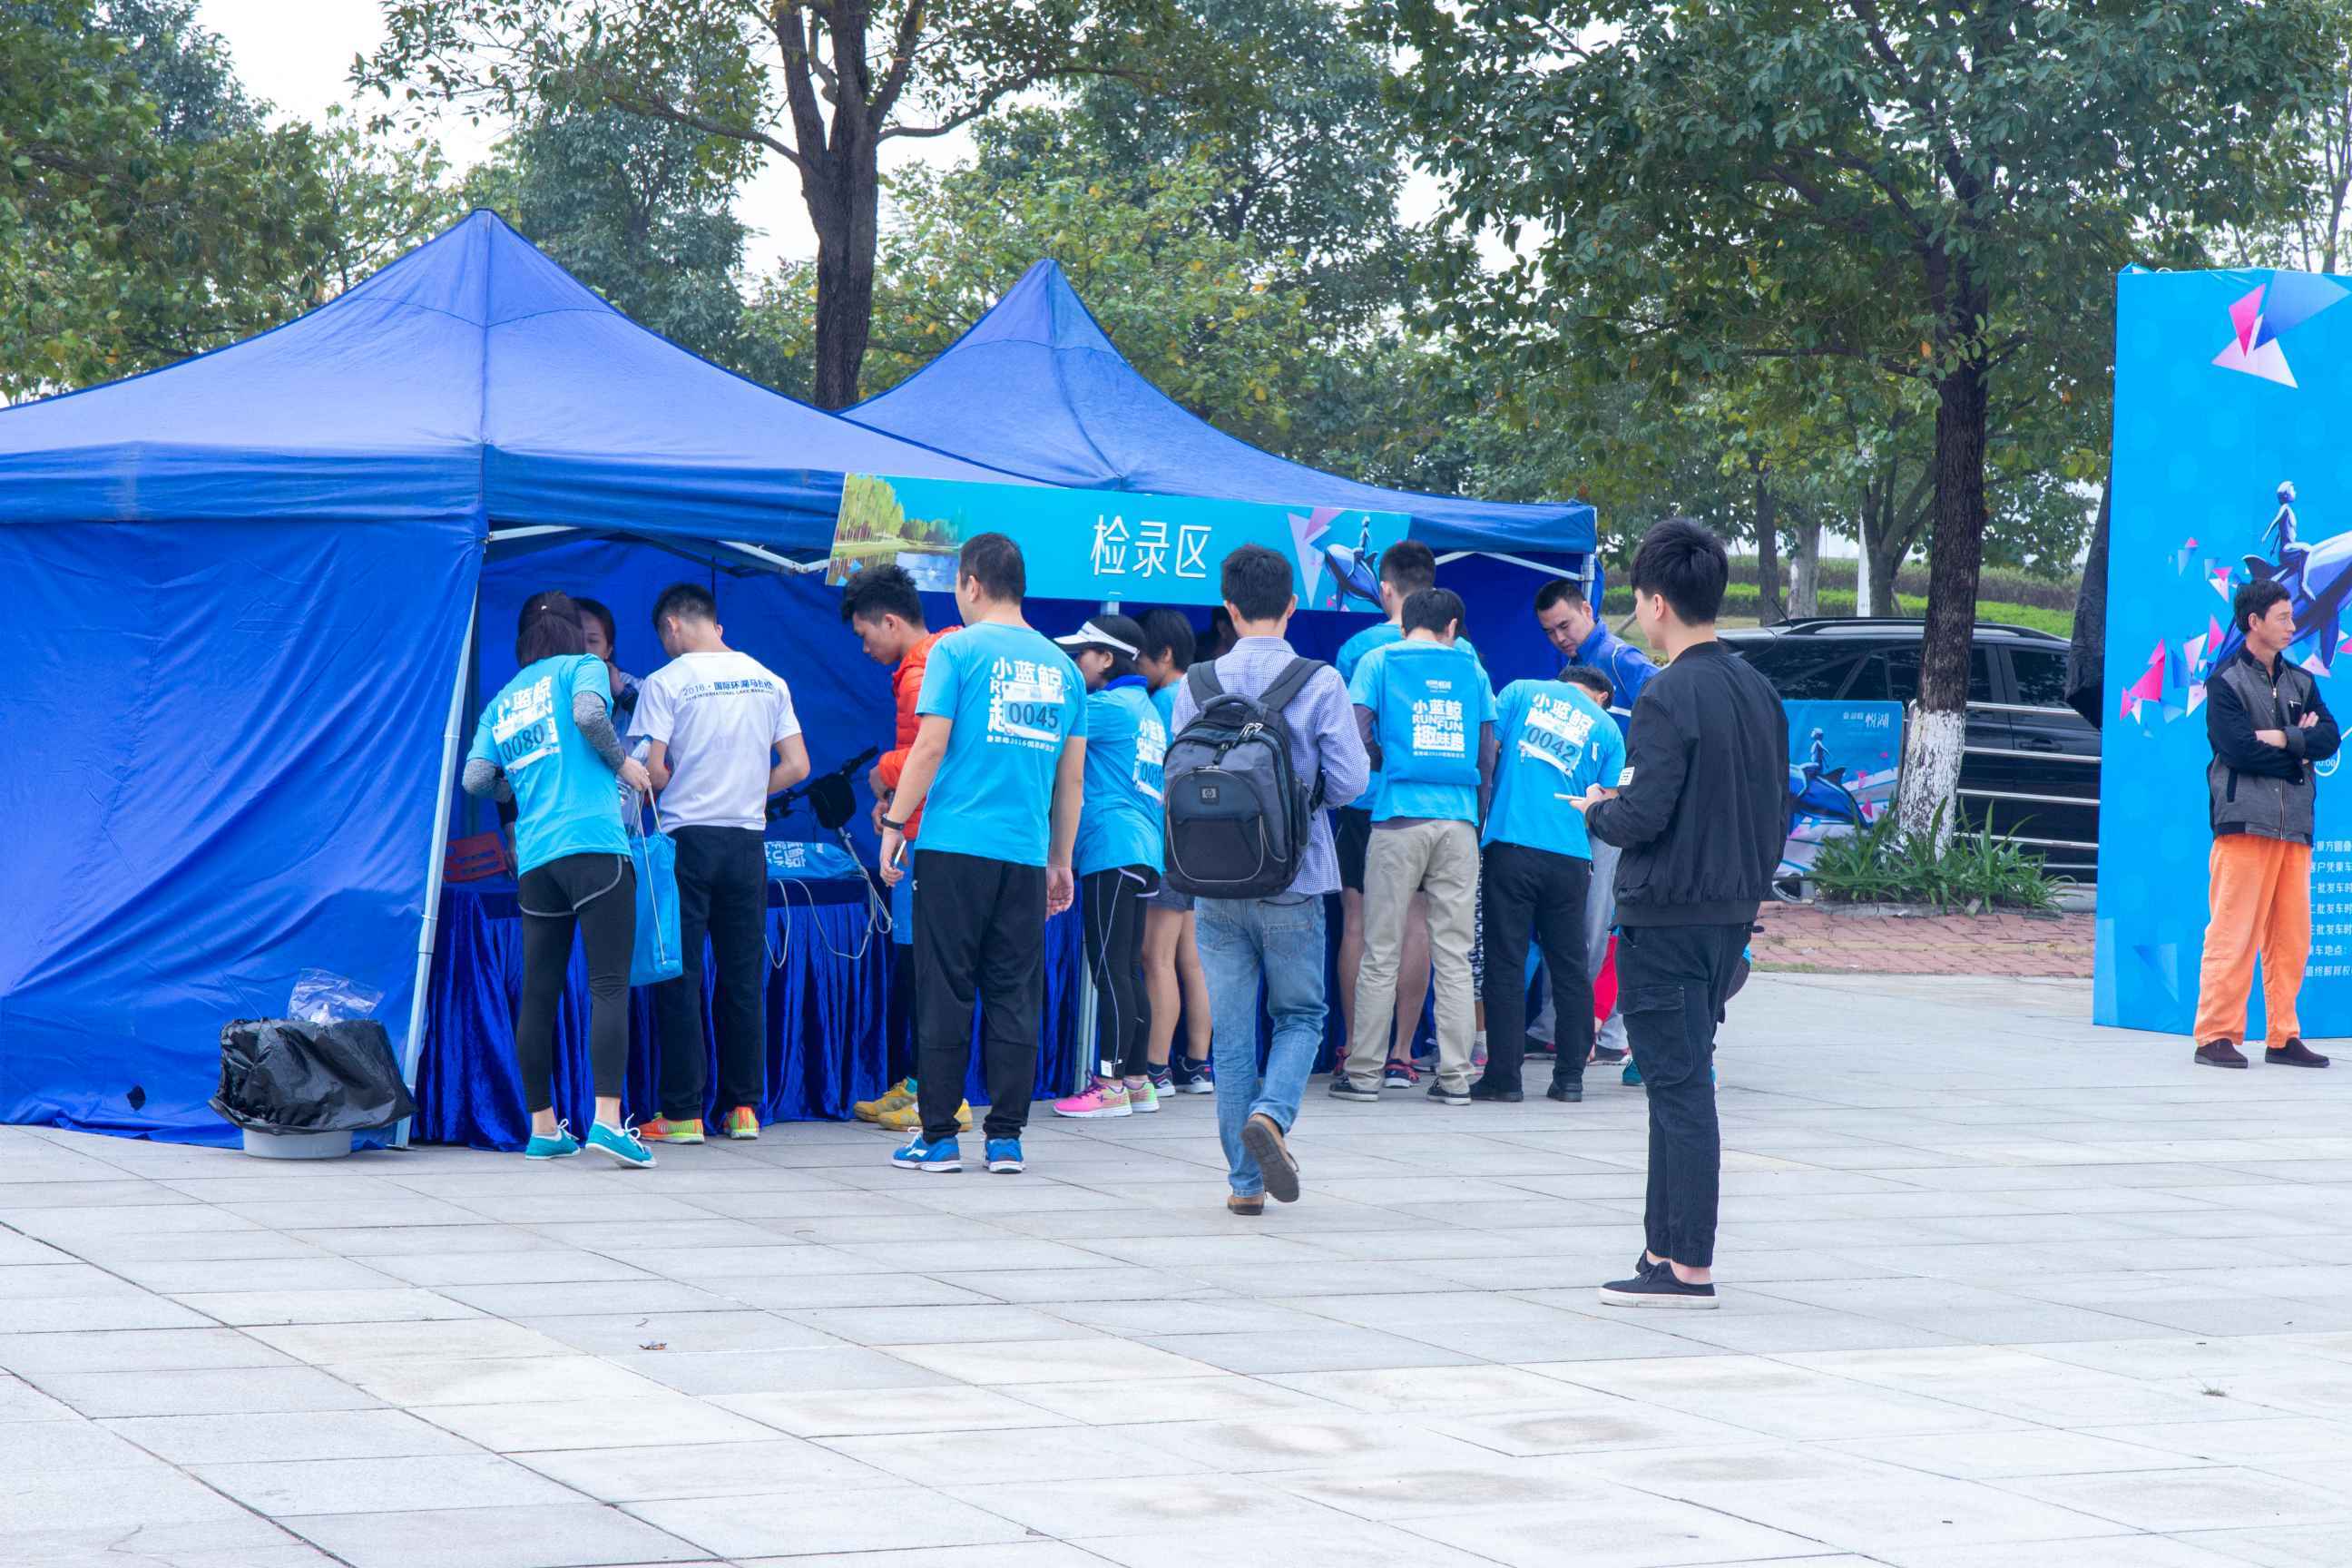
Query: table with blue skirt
(827, 1016)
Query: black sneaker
(1611, 1054)
(2220, 1053)
(1658, 1287)
(1345, 1088)
(1445, 1096)
(1572, 1093)
(1483, 1092)
(2294, 1054)
(1262, 1138)
(1536, 1048)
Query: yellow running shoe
(898, 1097)
(662, 1130)
(742, 1124)
(909, 1118)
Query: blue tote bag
(658, 955)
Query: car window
(1896, 677)
(1803, 672)
(2040, 677)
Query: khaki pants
(1440, 859)
(2262, 904)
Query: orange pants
(2262, 904)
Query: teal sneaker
(1632, 1074)
(620, 1144)
(562, 1146)
(1005, 1155)
(919, 1154)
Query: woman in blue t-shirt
(546, 741)
(1118, 859)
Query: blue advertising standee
(2230, 463)
(1842, 761)
(1098, 545)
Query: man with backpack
(1262, 740)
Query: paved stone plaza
(2001, 1290)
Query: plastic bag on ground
(285, 1075)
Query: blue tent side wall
(237, 729)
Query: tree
(1920, 194)
(848, 75)
(628, 205)
(1296, 127)
(145, 228)
(1206, 318)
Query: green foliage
(1871, 245)
(1295, 126)
(632, 207)
(144, 229)
(1218, 326)
(820, 85)
(1977, 872)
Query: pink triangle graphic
(2246, 314)
(1304, 533)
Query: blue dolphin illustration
(1355, 569)
(1822, 795)
(2318, 580)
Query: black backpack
(1238, 817)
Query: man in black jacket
(1701, 819)
(2268, 726)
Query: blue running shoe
(1005, 1155)
(1632, 1074)
(621, 1145)
(919, 1154)
(560, 1146)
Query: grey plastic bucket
(297, 1145)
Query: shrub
(1975, 871)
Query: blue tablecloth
(828, 991)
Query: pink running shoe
(1104, 1097)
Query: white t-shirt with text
(720, 715)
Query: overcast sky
(304, 66)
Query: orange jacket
(906, 685)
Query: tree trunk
(1805, 570)
(843, 198)
(1876, 575)
(2087, 657)
(1938, 721)
(1768, 609)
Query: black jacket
(2254, 787)
(1705, 820)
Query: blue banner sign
(2231, 465)
(1100, 545)
(1842, 759)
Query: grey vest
(2254, 803)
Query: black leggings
(597, 893)
(1114, 936)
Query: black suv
(2031, 768)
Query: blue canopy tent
(1037, 386)
(246, 587)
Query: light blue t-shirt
(1433, 699)
(1016, 701)
(1557, 743)
(567, 801)
(1163, 702)
(1127, 746)
(1351, 655)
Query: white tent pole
(414, 1044)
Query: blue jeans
(1245, 942)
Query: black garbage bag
(282, 1074)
